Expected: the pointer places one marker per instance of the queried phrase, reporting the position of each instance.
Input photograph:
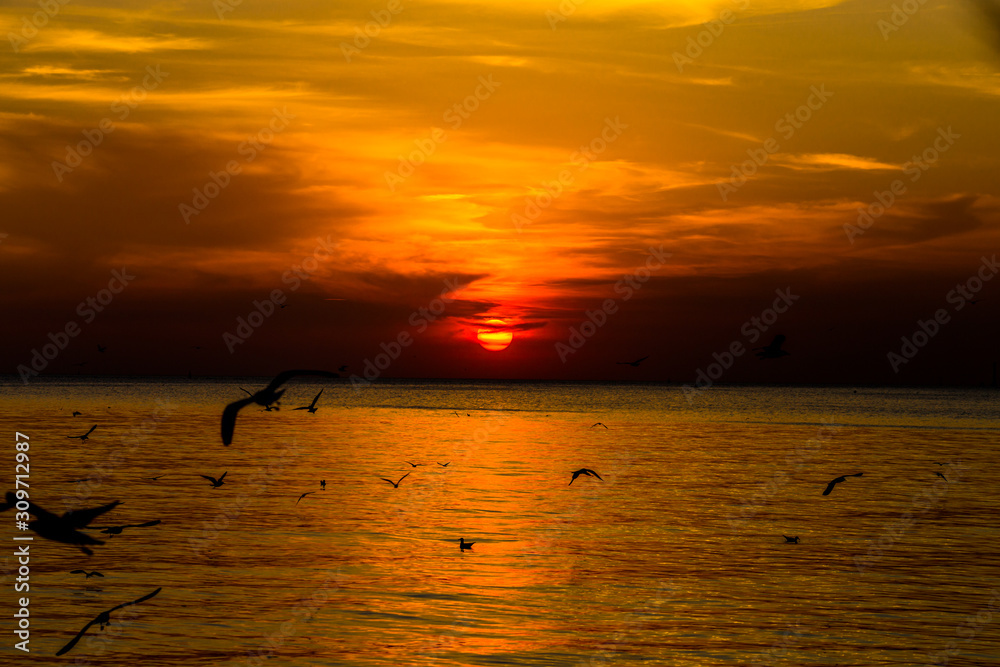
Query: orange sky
(495, 105)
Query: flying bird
(216, 483)
(773, 349)
(793, 540)
(65, 528)
(597, 424)
(303, 496)
(312, 406)
(463, 545)
(95, 573)
(443, 465)
(157, 477)
(941, 476)
(83, 438)
(414, 464)
(104, 618)
(395, 485)
(940, 464)
(117, 530)
(584, 471)
(837, 481)
(265, 397)
(633, 364)
(77, 413)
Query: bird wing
(223, 475)
(91, 429)
(229, 418)
(246, 392)
(78, 572)
(313, 404)
(211, 479)
(80, 518)
(639, 361)
(575, 475)
(285, 376)
(591, 472)
(69, 646)
(830, 486)
(779, 340)
(154, 522)
(403, 477)
(388, 480)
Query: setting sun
(495, 339)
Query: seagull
(312, 406)
(941, 476)
(322, 485)
(303, 496)
(63, 528)
(77, 413)
(837, 481)
(633, 364)
(940, 464)
(216, 483)
(395, 485)
(414, 464)
(793, 540)
(584, 471)
(463, 545)
(443, 465)
(94, 573)
(83, 438)
(157, 477)
(101, 348)
(265, 397)
(104, 618)
(117, 530)
(597, 424)
(773, 349)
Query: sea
(673, 553)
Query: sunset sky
(547, 150)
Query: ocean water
(675, 558)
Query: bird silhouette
(584, 471)
(395, 485)
(104, 618)
(443, 465)
(597, 424)
(633, 364)
(773, 349)
(84, 437)
(940, 464)
(65, 528)
(265, 397)
(157, 477)
(303, 496)
(216, 483)
(95, 573)
(312, 406)
(77, 413)
(101, 348)
(322, 484)
(414, 464)
(793, 540)
(837, 481)
(941, 476)
(117, 530)
(463, 545)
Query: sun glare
(494, 339)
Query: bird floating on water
(104, 618)
(793, 540)
(322, 485)
(837, 481)
(463, 545)
(584, 471)
(84, 437)
(265, 397)
(395, 485)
